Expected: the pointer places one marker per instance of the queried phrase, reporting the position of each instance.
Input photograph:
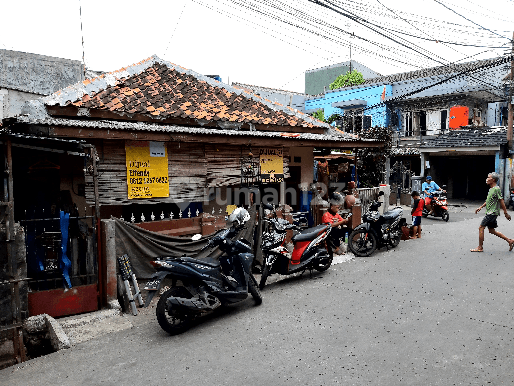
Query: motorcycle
(205, 284)
(376, 230)
(439, 205)
(308, 250)
(512, 198)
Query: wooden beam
(90, 133)
(291, 129)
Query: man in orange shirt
(331, 216)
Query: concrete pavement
(426, 313)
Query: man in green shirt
(492, 206)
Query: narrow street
(429, 312)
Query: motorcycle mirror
(444, 186)
(196, 237)
(267, 206)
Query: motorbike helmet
(336, 199)
(429, 178)
(238, 217)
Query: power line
(267, 28)
(488, 65)
(176, 25)
(298, 14)
(363, 23)
(471, 21)
(480, 80)
(320, 21)
(441, 25)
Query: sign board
(147, 169)
(272, 165)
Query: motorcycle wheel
(179, 321)
(362, 243)
(254, 290)
(264, 275)
(395, 238)
(324, 263)
(445, 216)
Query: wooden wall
(192, 168)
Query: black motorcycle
(376, 230)
(308, 251)
(205, 284)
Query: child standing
(417, 211)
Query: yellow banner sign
(147, 169)
(272, 165)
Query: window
(408, 131)
(366, 122)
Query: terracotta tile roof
(163, 90)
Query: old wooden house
(150, 142)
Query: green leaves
(349, 79)
(319, 115)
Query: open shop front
(60, 230)
(463, 173)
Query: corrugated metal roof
(428, 72)
(332, 135)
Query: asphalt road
(426, 313)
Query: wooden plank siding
(187, 169)
(192, 169)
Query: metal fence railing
(366, 195)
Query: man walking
(493, 203)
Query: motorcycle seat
(309, 234)
(209, 263)
(392, 214)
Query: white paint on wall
(433, 122)
(3, 103)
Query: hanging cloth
(64, 261)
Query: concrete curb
(42, 324)
(58, 337)
(82, 328)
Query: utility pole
(511, 84)
(510, 113)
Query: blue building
(424, 104)
(363, 102)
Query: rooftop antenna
(82, 35)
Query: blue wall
(372, 94)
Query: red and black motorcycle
(439, 205)
(308, 250)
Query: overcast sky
(267, 42)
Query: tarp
(143, 246)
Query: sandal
(511, 245)
(477, 250)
